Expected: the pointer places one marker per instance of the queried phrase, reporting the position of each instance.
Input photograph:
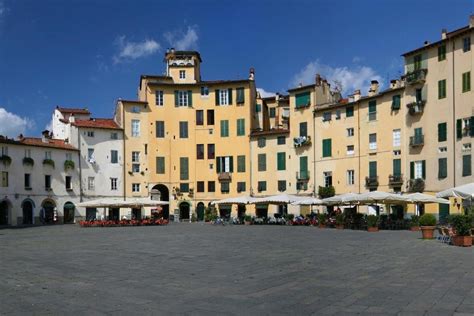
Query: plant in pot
(372, 223)
(428, 225)
(339, 221)
(322, 219)
(462, 228)
(247, 219)
(415, 223)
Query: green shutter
(262, 162)
(218, 165)
(303, 129)
(350, 111)
(396, 102)
(303, 165)
(303, 99)
(240, 95)
(471, 124)
(240, 127)
(441, 52)
(459, 128)
(442, 168)
(466, 81)
(412, 170)
(231, 164)
(183, 168)
(190, 98)
(160, 165)
(372, 169)
(327, 147)
(397, 167)
(442, 89)
(176, 98)
(240, 163)
(442, 132)
(217, 97)
(230, 96)
(258, 107)
(466, 165)
(281, 161)
(372, 106)
(224, 128)
(423, 169)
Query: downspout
(81, 193)
(124, 155)
(454, 121)
(358, 140)
(314, 153)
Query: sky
(87, 53)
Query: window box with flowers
(28, 161)
(6, 160)
(69, 164)
(49, 162)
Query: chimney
(318, 80)
(252, 74)
(350, 98)
(356, 95)
(444, 33)
(471, 20)
(395, 83)
(45, 136)
(374, 88)
(300, 85)
(426, 43)
(72, 119)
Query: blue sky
(89, 53)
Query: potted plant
(49, 162)
(322, 219)
(372, 223)
(247, 219)
(7, 160)
(415, 223)
(462, 228)
(428, 225)
(28, 161)
(69, 164)
(339, 221)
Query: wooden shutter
(190, 98)
(230, 96)
(442, 132)
(217, 97)
(176, 98)
(412, 170)
(281, 161)
(397, 167)
(372, 169)
(231, 164)
(183, 168)
(240, 163)
(466, 165)
(459, 128)
(327, 144)
(471, 125)
(218, 165)
(442, 168)
(423, 169)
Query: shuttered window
(240, 163)
(442, 168)
(442, 132)
(303, 99)
(224, 128)
(466, 81)
(240, 95)
(372, 169)
(303, 129)
(183, 168)
(240, 127)
(350, 111)
(466, 165)
(372, 110)
(281, 161)
(160, 129)
(441, 52)
(262, 162)
(258, 108)
(397, 167)
(396, 102)
(183, 129)
(327, 144)
(459, 128)
(442, 89)
(160, 165)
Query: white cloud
(13, 125)
(265, 94)
(183, 40)
(357, 59)
(351, 78)
(134, 50)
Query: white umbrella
(346, 198)
(380, 197)
(120, 202)
(465, 191)
(420, 198)
(247, 199)
(308, 201)
(279, 199)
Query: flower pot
(372, 229)
(322, 225)
(462, 241)
(415, 228)
(339, 226)
(427, 231)
(248, 223)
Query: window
(159, 98)
(466, 44)
(135, 161)
(281, 185)
(466, 81)
(262, 162)
(200, 186)
(90, 133)
(372, 110)
(240, 95)
(350, 132)
(113, 184)
(271, 112)
(47, 154)
(199, 117)
(372, 169)
(441, 52)
(200, 151)
(281, 161)
(224, 164)
(465, 127)
(240, 127)
(327, 144)
(91, 155)
(135, 187)
(224, 128)
(466, 165)
(113, 156)
(183, 129)
(442, 132)
(68, 183)
(205, 92)
(113, 135)
(211, 186)
(417, 62)
(418, 169)
(160, 165)
(184, 187)
(241, 187)
(90, 183)
(258, 108)
(350, 150)
(397, 152)
(303, 173)
(301, 185)
(135, 109)
(327, 178)
(466, 147)
(68, 156)
(338, 114)
(27, 181)
(281, 140)
(397, 167)
(373, 141)
(442, 89)
(349, 111)
(442, 168)
(396, 137)
(183, 98)
(182, 74)
(262, 186)
(303, 99)
(47, 181)
(396, 101)
(211, 151)
(327, 116)
(135, 128)
(224, 97)
(27, 152)
(240, 163)
(262, 141)
(303, 129)
(350, 177)
(210, 117)
(183, 168)
(225, 187)
(160, 129)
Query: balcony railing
(416, 76)
(418, 140)
(395, 179)
(416, 107)
(224, 176)
(302, 175)
(302, 141)
(371, 182)
(416, 185)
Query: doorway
(27, 207)
(4, 213)
(241, 211)
(184, 208)
(69, 210)
(200, 211)
(164, 196)
(47, 210)
(136, 213)
(114, 214)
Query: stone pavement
(204, 269)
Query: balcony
(395, 179)
(416, 185)
(302, 141)
(302, 175)
(372, 182)
(416, 76)
(224, 177)
(416, 141)
(416, 107)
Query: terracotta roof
(52, 143)
(302, 87)
(270, 132)
(449, 35)
(73, 110)
(97, 123)
(133, 101)
(200, 83)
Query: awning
(308, 201)
(279, 199)
(245, 199)
(121, 203)
(465, 191)
(420, 198)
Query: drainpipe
(124, 155)
(314, 153)
(81, 193)
(358, 140)
(454, 121)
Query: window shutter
(190, 98)
(459, 129)
(184, 174)
(281, 161)
(303, 164)
(372, 169)
(466, 165)
(397, 167)
(217, 97)
(471, 124)
(423, 169)
(442, 168)
(176, 98)
(218, 165)
(412, 170)
(231, 164)
(230, 96)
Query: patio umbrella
(420, 198)
(279, 199)
(119, 202)
(308, 201)
(245, 199)
(381, 197)
(346, 198)
(465, 191)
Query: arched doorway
(184, 211)
(200, 211)
(69, 210)
(5, 207)
(164, 196)
(48, 207)
(27, 206)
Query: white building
(61, 119)
(39, 181)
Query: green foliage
(48, 162)
(69, 164)
(462, 224)
(415, 221)
(417, 185)
(372, 220)
(427, 220)
(28, 161)
(247, 218)
(289, 217)
(193, 218)
(325, 192)
(322, 218)
(7, 160)
(210, 213)
(339, 219)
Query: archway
(241, 211)
(164, 196)
(200, 211)
(224, 211)
(5, 207)
(47, 211)
(184, 211)
(27, 206)
(261, 210)
(69, 210)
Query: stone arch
(5, 212)
(184, 210)
(200, 208)
(48, 207)
(28, 206)
(69, 210)
(164, 193)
